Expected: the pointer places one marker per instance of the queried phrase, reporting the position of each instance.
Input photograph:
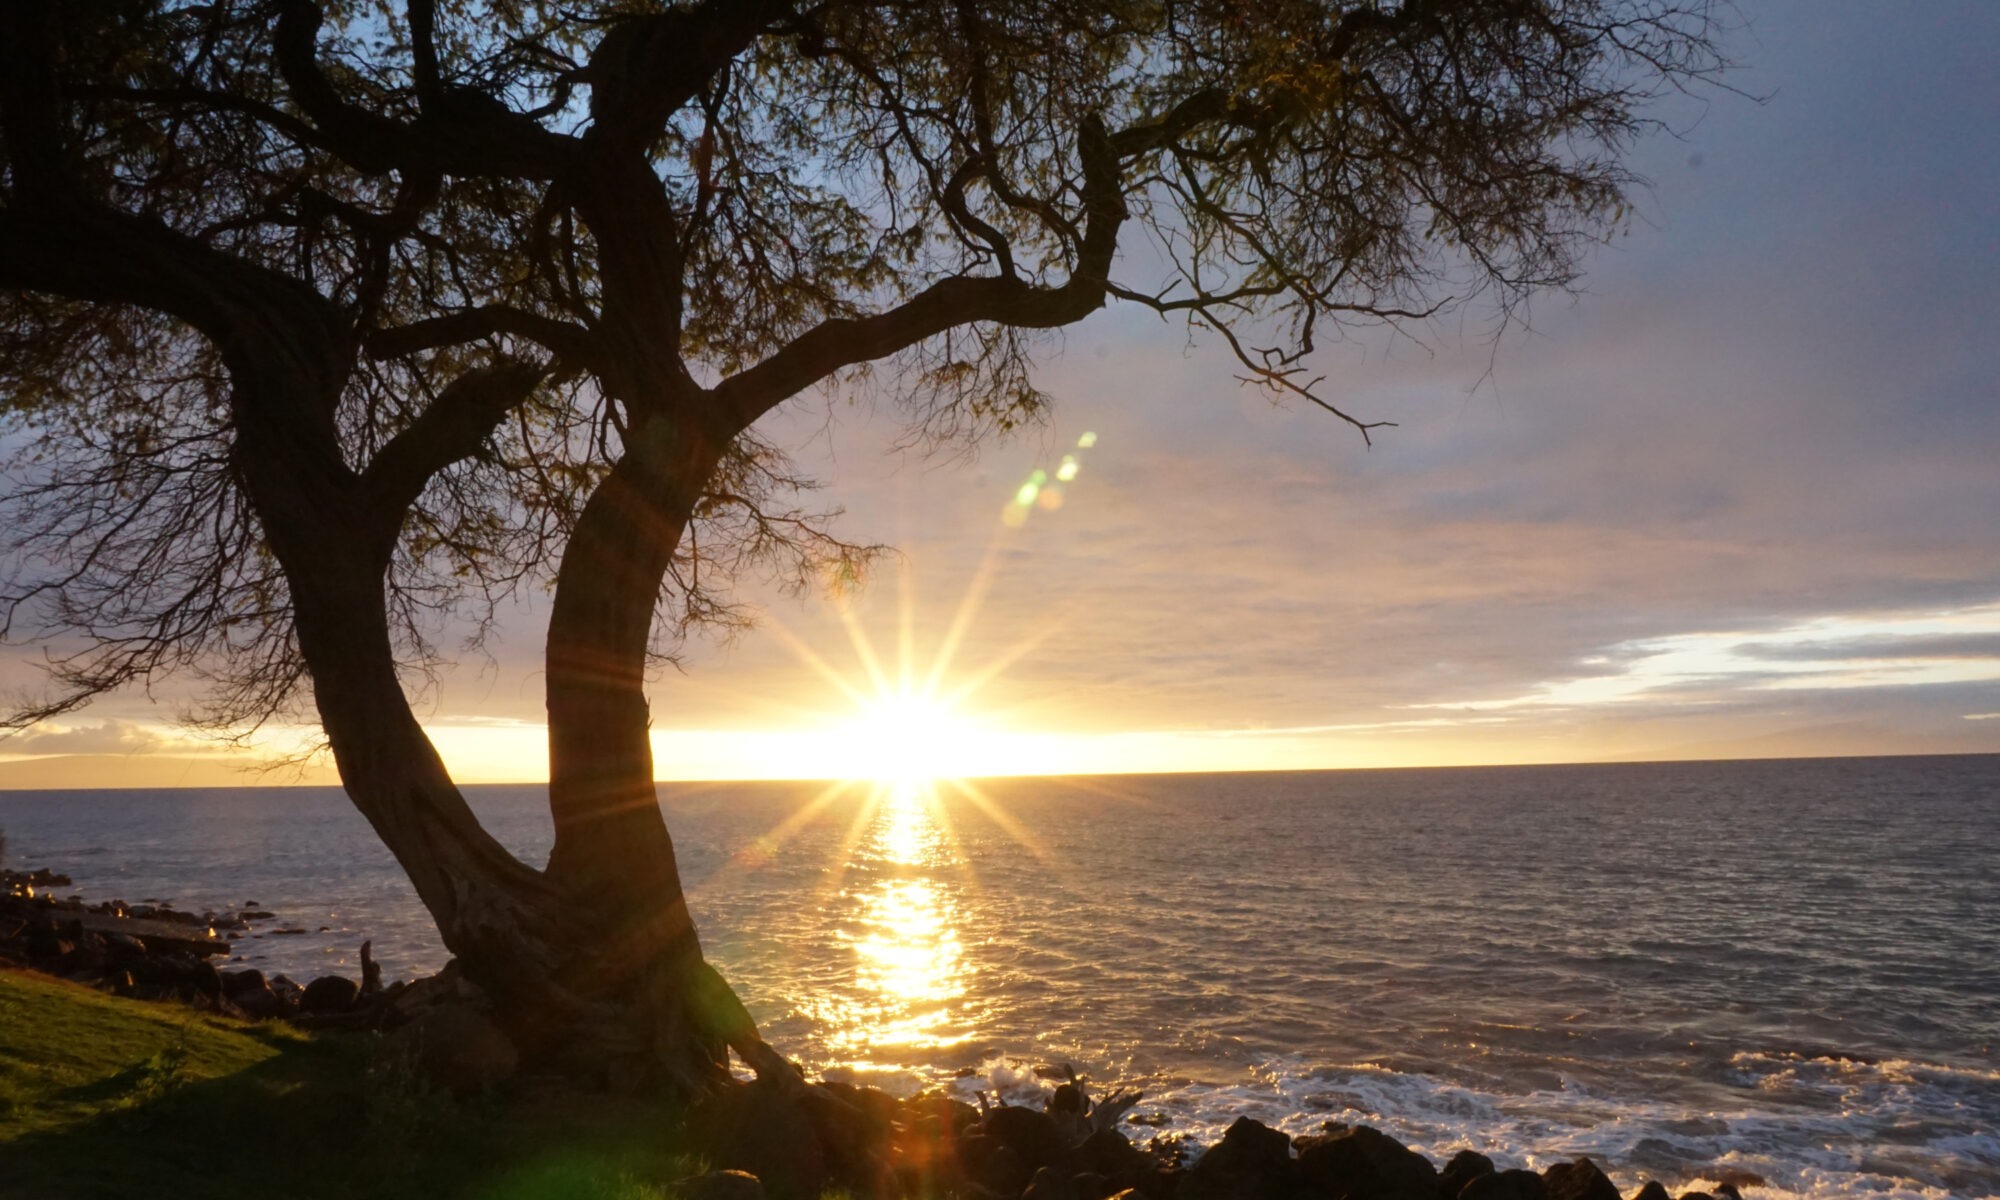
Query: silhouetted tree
(325, 318)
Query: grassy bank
(103, 1097)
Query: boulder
(1653, 1190)
(1089, 1185)
(1032, 1135)
(1252, 1162)
(206, 979)
(721, 1185)
(1110, 1154)
(1513, 1184)
(761, 1128)
(1000, 1170)
(1464, 1167)
(1365, 1164)
(289, 993)
(46, 945)
(1579, 1180)
(457, 1047)
(1050, 1184)
(330, 994)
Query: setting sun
(909, 738)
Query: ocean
(1777, 970)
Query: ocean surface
(1782, 970)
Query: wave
(1891, 1130)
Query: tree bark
(612, 851)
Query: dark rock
(1464, 1167)
(760, 1128)
(1050, 1184)
(1653, 1190)
(122, 947)
(721, 1185)
(1506, 1185)
(1000, 1170)
(1729, 1179)
(1110, 1154)
(330, 994)
(257, 1001)
(83, 962)
(1032, 1135)
(1696, 1196)
(1579, 1180)
(853, 1125)
(1364, 1164)
(288, 992)
(1067, 1098)
(46, 945)
(1252, 1162)
(206, 980)
(1089, 1185)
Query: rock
(1464, 1167)
(1089, 1185)
(1506, 1185)
(206, 980)
(458, 1048)
(760, 1128)
(1067, 1098)
(1696, 1196)
(1364, 1164)
(1652, 1190)
(254, 997)
(84, 962)
(721, 1185)
(1252, 1162)
(1050, 1184)
(330, 994)
(1032, 1135)
(1579, 1180)
(289, 993)
(1110, 1154)
(46, 945)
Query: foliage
(697, 213)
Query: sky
(1736, 499)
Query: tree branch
(842, 342)
(469, 409)
(574, 343)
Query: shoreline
(1073, 1148)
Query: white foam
(1890, 1130)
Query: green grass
(103, 1097)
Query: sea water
(1787, 970)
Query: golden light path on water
(897, 899)
(904, 914)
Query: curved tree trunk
(612, 849)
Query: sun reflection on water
(905, 912)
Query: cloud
(108, 737)
(1949, 646)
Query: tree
(329, 316)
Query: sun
(906, 737)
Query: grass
(103, 1097)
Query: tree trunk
(612, 849)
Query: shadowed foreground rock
(802, 1138)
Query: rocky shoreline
(153, 951)
(795, 1140)
(788, 1139)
